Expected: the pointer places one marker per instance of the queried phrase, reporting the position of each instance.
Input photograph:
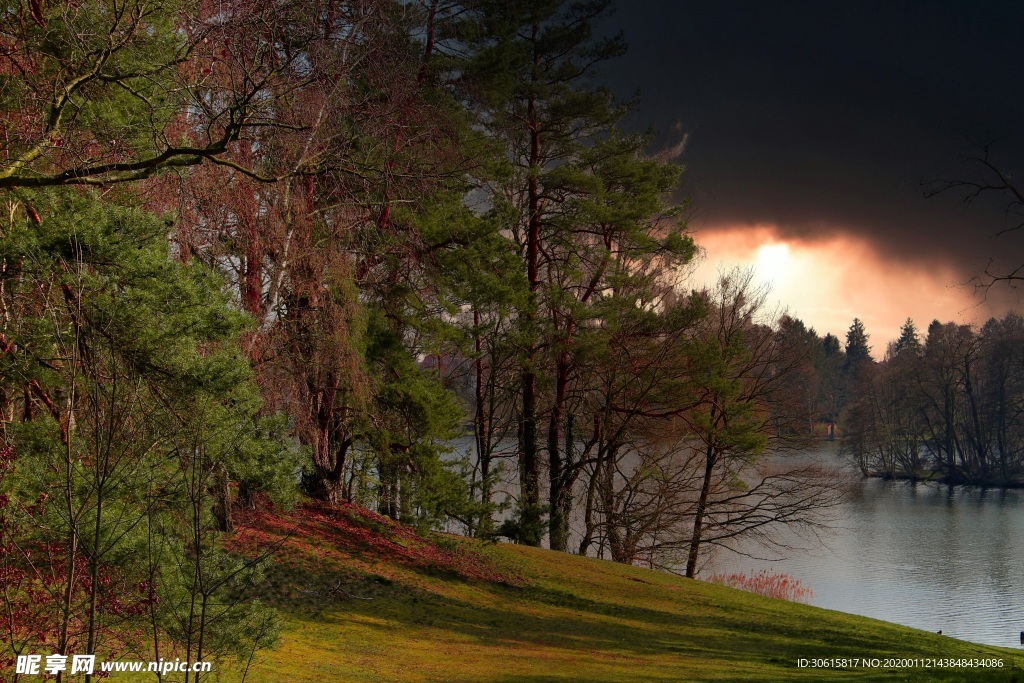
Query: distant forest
(401, 255)
(947, 407)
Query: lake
(922, 555)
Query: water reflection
(923, 555)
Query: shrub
(771, 584)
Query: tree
(987, 179)
(908, 341)
(528, 79)
(1002, 343)
(947, 352)
(412, 420)
(615, 229)
(134, 410)
(883, 424)
(635, 386)
(947, 411)
(583, 197)
(830, 361)
(362, 227)
(801, 368)
(857, 350)
(484, 283)
(111, 92)
(740, 380)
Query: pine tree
(909, 341)
(529, 79)
(858, 351)
(102, 91)
(830, 345)
(830, 381)
(586, 199)
(131, 409)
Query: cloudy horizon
(823, 127)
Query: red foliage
(356, 536)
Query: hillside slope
(365, 599)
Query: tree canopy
(400, 255)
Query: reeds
(771, 584)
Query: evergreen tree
(582, 199)
(529, 78)
(830, 363)
(102, 91)
(830, 345)
(908, 341)
(857, 350)
(130, 408)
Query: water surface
(923, 555)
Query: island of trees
(944, 407)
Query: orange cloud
(829, 281)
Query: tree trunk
(253, 285)
(613, 532)
(222, 499)
(326, 481)
(558, 495)
(530, 532)
(529, 471)
(592, 491)
(702, 504)
(481, 427)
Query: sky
(812, 132)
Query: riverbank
(930, 471)
(365, 599)
(938, 477)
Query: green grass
(393, 607)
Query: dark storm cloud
(823, 116)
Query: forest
(399, 254)
(946, 408)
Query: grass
(364, 599)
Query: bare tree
(747, 409)
(989, 181)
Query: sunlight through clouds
(773, 264)
(828, 281)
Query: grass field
(364, 599)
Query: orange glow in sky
(829, 281)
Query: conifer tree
(581, 197)
(857, 349)
(908, 341)
(130, 408)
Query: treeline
(948, 407)
(944, 407)
(252, 250)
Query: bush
(770, 584)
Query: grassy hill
(365, 599)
